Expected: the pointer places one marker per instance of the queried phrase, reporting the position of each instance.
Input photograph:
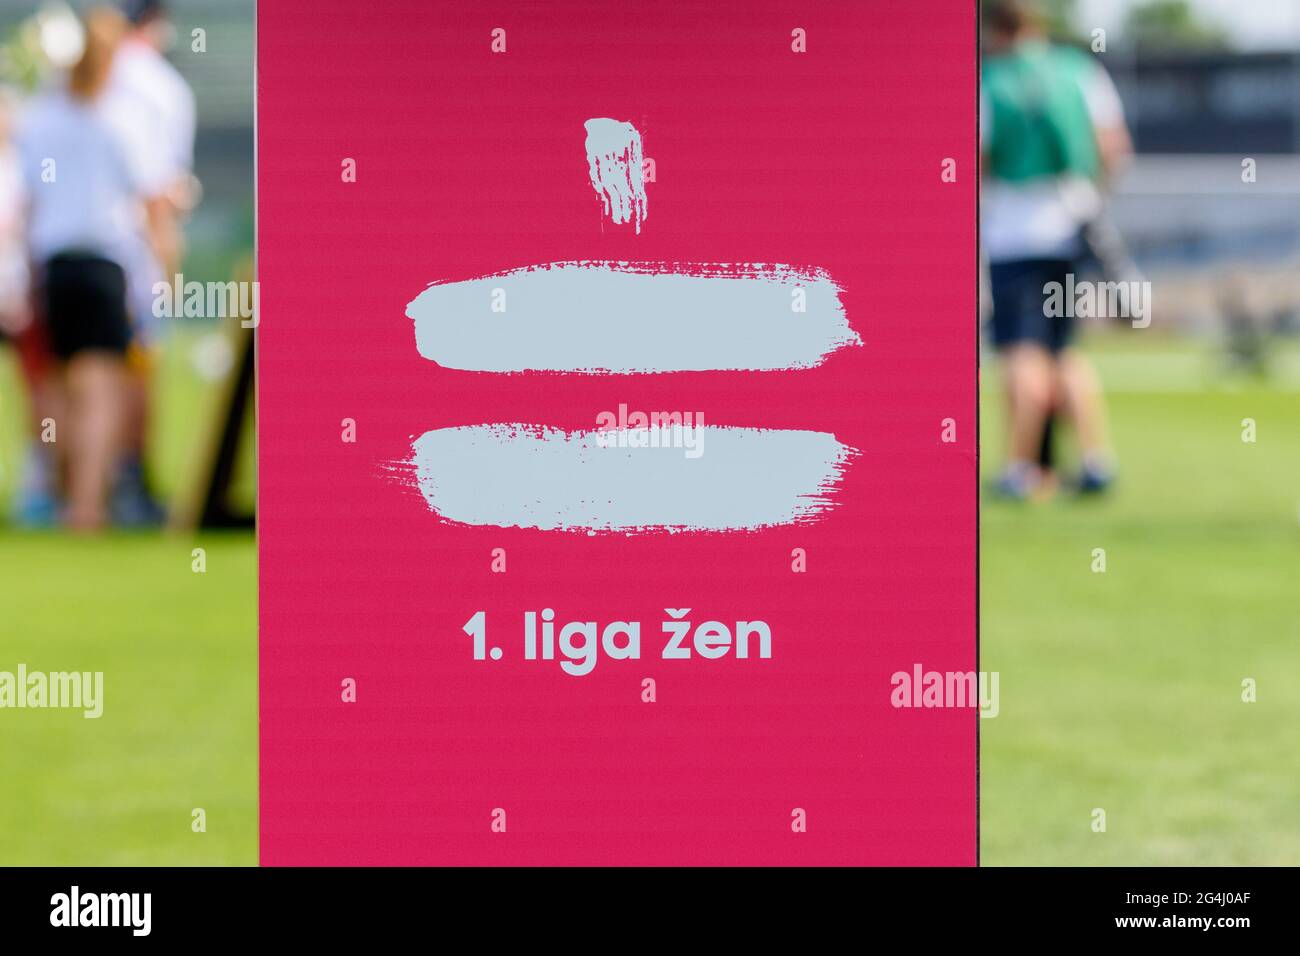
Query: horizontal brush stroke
(526, 476)
(632, 317)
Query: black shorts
(1019, 315)
(83, 297)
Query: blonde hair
(105, 28)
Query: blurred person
(15, 314)
(36, 505)
(38, 500)
(163, 107)
(1052, 133)
(143, 71)
(88, 184)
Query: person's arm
(147, 173)
(1114, 149)
(1114, 145)
(179, 130)
(164, 233)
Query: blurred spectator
(163, 106)
(1052, 129)
(14, 308)
(91, 182)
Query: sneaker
(36, 508)
(1094, 480)
(37, 504)
(1016, 483)
(132, 505)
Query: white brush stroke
(626, 317)
(527, 476)
(616, 169)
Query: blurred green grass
(1122, 690)
(179, 656)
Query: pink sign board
(617, 403)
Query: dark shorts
(83, 299)
(1019, 315)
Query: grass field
(179, 656)
(1122, 690)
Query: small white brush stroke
(528, 476)
(615, 166)
(634, 317)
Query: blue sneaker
(36, 508)
(1016, 483)
(131, 505)
(37, 504)
(1094, 480)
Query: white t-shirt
(12, 196)
(85, 171)
(162, 104)
(164, 100)
(1040, 219)
(13, 251)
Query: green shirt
(1040, 125)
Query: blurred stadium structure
(1223, 254)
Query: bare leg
(1081, 392)
(97, 412)
(41, 486)
(1030, 383)
(138, 390)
